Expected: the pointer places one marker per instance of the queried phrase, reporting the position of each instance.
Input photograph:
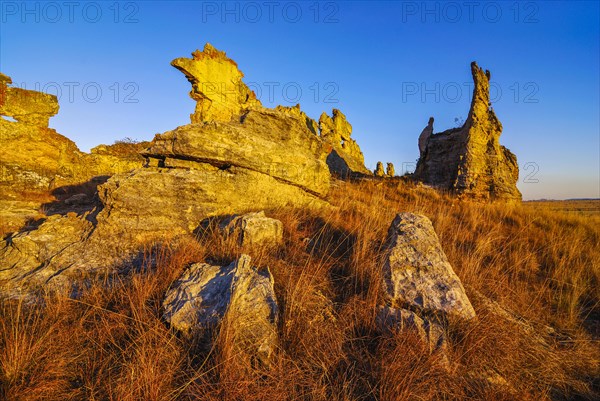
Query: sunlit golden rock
(217, 85)
(470, 160)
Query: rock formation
(206, 295)
(424, 137)
(26, 106)
(390, 171)
(35, 159)
(417, 273)
(276, 142)
(217, 85)
(253, 229)
(230, 160)
(379, 171)
(345, 159)
(470, 160)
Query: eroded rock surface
(431, 333)
(470, 160)
(231, 160)
(345, 158)
(417, 273)
(275, 142)
(205, 295)
(253, 229)
(36, 160)
(26, 106)
(217, 85)
(39, 255)
(379, 171)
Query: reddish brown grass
(541, 267)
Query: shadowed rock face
(470, 160)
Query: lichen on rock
(417, 273)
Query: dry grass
(540, 268)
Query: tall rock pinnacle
(470, 160)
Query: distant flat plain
(588, 207)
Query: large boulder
(469, 160)
(253, 229)
(417, 274)
(205, 295)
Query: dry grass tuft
(531, 273)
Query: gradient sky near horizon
(388, 66)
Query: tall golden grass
(532, 276)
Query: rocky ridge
(234, 157)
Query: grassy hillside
(532, 274)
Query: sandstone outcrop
(221, 164)
(390, 171)
(206, 295)
(379, 171)
(469, 160)
(417, 274)
(217, 85)
(35, 161)
(273, 142)
(345, 158)
(26, 106)
(253, 229)
(36, 157)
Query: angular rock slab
(254, 229)
(432, 334)
(277, 142)
(417, 273)
(205, 295)
(43, 257)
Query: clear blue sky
(388, 66)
